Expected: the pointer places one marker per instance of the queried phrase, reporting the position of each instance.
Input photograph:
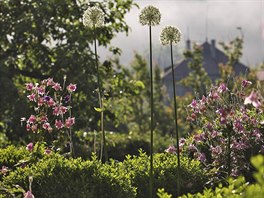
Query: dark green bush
(165, 169)
(119, 144)
(56, 176)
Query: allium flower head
(170, 35)
(93, 17)
(150, 16)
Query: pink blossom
(32, 97)
(71, 87)
(192, 148)
(44, 118)
(32, 119)
(46, 125)
(214, 134)
(29, 86)
(193, 104)
(4, 170)
(51, 102)
(204, 100)
(216, 151)
(253, 99)
(41, 90)
(201, 157)
(222, 88)
(47, 151)
(56, 86)
(50, 82)
(28, 194)
(28, 127)
(214, 95)
(59, 110)
(41, 101)
(69, 122)
(30, 147)
(245, 83)
(171, 150)
(59, 124)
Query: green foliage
(198, 79)
(119, 144)
(165, 168)
(40, 39)
(162, 194)
(55, 176)
(238, 187)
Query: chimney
(212, 48)
(188, 44)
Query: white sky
(221, 16)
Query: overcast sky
(198, 19)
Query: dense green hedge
(57, 176)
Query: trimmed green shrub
(56, 176)
(165, 169)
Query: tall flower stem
(151, 117)
(103, 144)
(176, 122)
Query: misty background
(198, 20)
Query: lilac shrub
(51, 102)
(231, 130)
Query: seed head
(150, 16)
(169, 35)
(93, 17)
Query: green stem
(103, 144)
(176, 122)
(151, 120)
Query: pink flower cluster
(51, 104)
(226, 118)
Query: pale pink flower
(71, 87)
(253, 99)
(56, 86)
(28, 127)
(171, 150)
(32, 97)
(30, 147)
(245, 83)
(201, 157)
(59, 124)
(69, 122)
(51, 102)
(41, 101)
(28, 194)
(46, 125)
(29, 86)
(50, 82)
(41, 90)
(4, 170)
(59, 110)
(47, 151)
(44, 118)
(32, 119)
(222, 88)
(214, 95)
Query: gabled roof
(212, 57)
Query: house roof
(212, 57)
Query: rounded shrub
(165, 174)
(56, 176)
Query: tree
(40, 39)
